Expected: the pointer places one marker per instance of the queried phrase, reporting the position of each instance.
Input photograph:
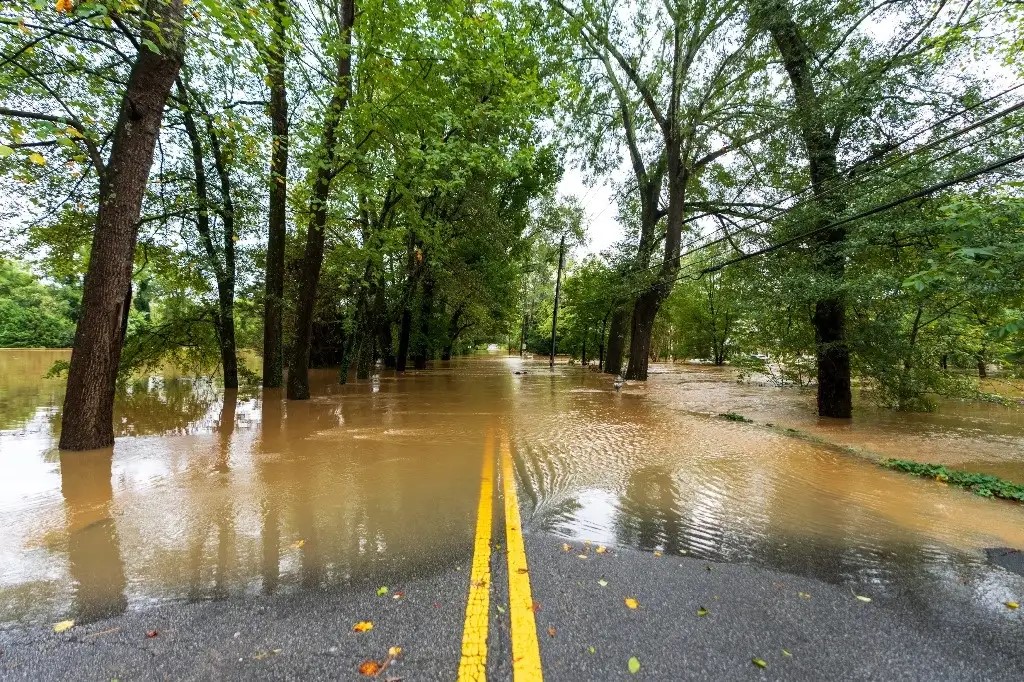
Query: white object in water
(619, 382)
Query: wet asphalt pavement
(802, 629)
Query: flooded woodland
(211, 493)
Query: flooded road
(207, 495)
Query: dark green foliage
(734, 417)
(984, 485)
(33, 314)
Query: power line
(897, 159)
(921, 193)
(900, 176)
(868, 174)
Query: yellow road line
(525, 649)
(473, 665)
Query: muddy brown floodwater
(207, 495)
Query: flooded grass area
(207, 495)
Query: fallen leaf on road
(501, 609)
(298, 544)
(657, 554)
(382, 590)
(702, 611)
(362, 626)
(535, 606)
(480, 583)
(566, 547)
(634, 665)
(63, 625)
(370, 668)
(395, 651)
(552, 631)
(601, 549)
(582, 556)
(521, 571)
(804, 595)
(786, 653)
(602, 582)
(1012, 605)
(862, 597)
(631, 602)
(759, 662)
(591, 650)
(398, 595)
(150, 634)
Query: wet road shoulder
(801, 628)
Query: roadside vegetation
(984, 485)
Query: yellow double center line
(525, 648)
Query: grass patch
(733, 417)
(984, 485)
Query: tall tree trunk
(453, 333)
(277, 232)
(617, 340)
(224, 270)
(87, 419)
(404, 332)
(600, 343)
(833, 355)
(384, 339)
(423, 350)
(645, 310)
(309, 277)
(583, 353)
(226, 282)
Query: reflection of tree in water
(268, 469)
(648, 515)
(223, 515)
(94, 553)
(154, 405)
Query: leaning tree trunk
(87, 420)
(833, 355)
(617, 340)
(309, 277)
(273, 298)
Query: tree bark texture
(273, 298)
(833, 355)
(87, 419)
(309, 278)
(617, 340)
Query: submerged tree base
(980, 484)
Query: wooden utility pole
(558, 291)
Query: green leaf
(591, 650)
(702, 611)
(381, 591)
(151, 45)
(5, 151)
(759, 662)
(602, 582)
(634, 665)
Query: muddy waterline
(207, 495)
